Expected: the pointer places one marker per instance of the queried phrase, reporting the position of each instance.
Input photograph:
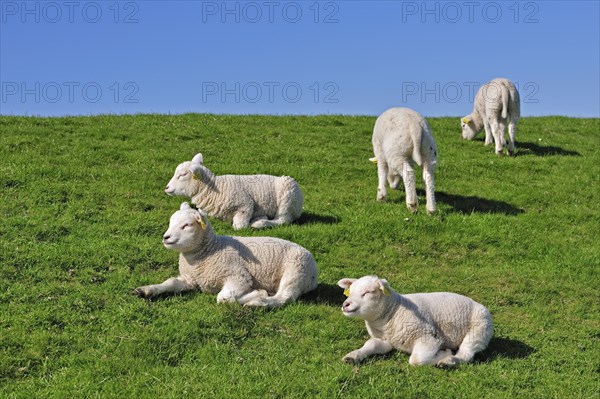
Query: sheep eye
(184, 226)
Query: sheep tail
(505, 96)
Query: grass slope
(83, 213)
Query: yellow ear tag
(385, 290)
(196, 175)
(347, 292)
(202, 224)
(465, 119)
(373, 160)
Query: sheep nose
(346, 304)
(166, 237)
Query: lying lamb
(251, 200)
(254, 271)
(428, 326)
(401, 138)
(496, 103)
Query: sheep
(401, 138)
(496, 103)
(253, 271)
(258, 201)
(427, 326)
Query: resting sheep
(401, 138)
(428, 326)
(249, 200)
(496, 103)
(254, 271)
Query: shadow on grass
(525, 148)
(311, 218)
(504, 348)
(469, 204)
(325, 294)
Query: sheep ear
(198, 158)
(345, 283)
(201, 219)
(196, 171)
(184, 206)
(384, 286)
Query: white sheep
(496, 103)
(254, 271)
(427, 326)
(246, 200)
(401, 138)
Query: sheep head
(367, 297)
(187, 230)
(188, 177)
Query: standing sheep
(401, 138)
(428, 326)
(254, 271)
(496, 103)
(246, 200)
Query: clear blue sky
(295, 57)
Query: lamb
(496, 103)
(253, 271)
(401, 138)
(427, 326)
(258, 201)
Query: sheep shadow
(325, 294)
(471, 204)
(312, 218)
(504, 348)
(526, 148)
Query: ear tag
(347, 292)
(373, 160)
(201, 222)
(385, 290)
(465, 119)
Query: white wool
(246, 200)
(254, 271)
(401, 138)
(496, 104)
(440, 328)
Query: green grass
(83, 212)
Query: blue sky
(295, 57)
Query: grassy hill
(83, 212)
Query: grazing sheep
(496, 103)
(401, 138)
(250, 200)
(428, 326)
(254, 271)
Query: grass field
(83, 212)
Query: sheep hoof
(141, 292)
(447, 362)
(430, 211)
(499, 153)
(412, 208)
(350, 359)
(511, 153)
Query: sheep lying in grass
(428, 326)
(254, 271)
(401, 138)
(496, 103)
(251, 200)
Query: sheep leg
(488, 133)
(264, 222)
(408, 175)
(373, 346)
(174, 285)
(242, 219)
(428, 178)
(512, 132)
(382, 172)
(426, 351)
(237, 291)
(498, 136)
(289, 289)
(476, 339)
